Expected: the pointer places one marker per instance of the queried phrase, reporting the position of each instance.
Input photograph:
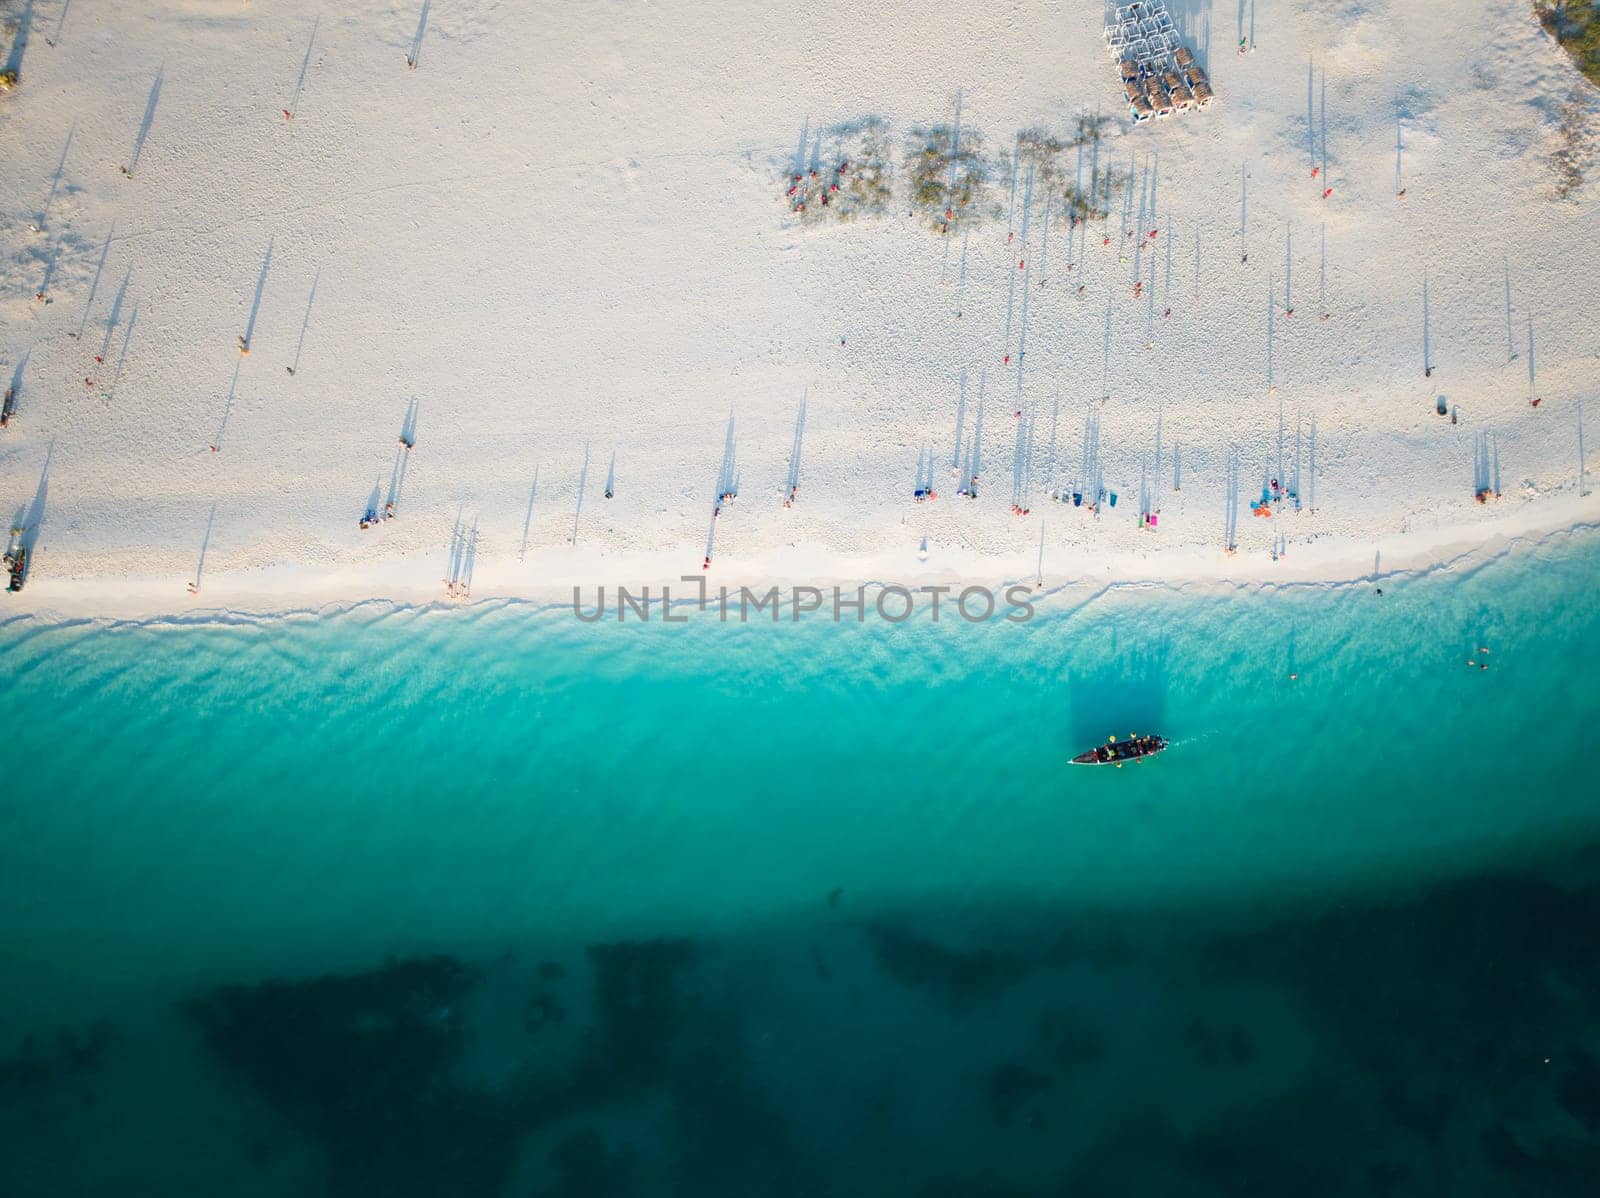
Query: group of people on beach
(808, 184)
(371, 517)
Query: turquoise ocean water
(488, 901)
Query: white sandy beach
(564, 235)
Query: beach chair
(1182, 57)
(1131, 90)
(1141, 110)
(1180, 95)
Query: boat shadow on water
(1118, 692)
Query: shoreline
(1068, 569)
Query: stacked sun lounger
(1159, 73)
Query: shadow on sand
(144, 126)
(30, 517)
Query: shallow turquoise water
(212, 803)
(355, 764)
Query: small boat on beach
(1115, 752)
(16, 564)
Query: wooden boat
(17, 562)
(1115, 752)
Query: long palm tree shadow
(1122, 692)
(94, 285)
(227, 408)
(261, 287)
(55, 179)
(149, 119)
(527, 519)
(452, 570)
(116, 314)
(794, 450)
(583, 482)
(14, 390)
(800, 150)
(305, 63)
(727, 476)
(305, 322)
(422, 29)
(30, 517)
(961, 421)
(397, 479)
(127, 337)
(205, 544)
(19, 41)
(1427, 344)
(50, 265)
(727, 486)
